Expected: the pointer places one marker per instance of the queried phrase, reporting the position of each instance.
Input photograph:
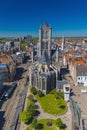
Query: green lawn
(52, 105)
(45, 127)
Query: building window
(40, 83)
(45, 35)
(43, 84)
(34, 81)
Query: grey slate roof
(81, 70)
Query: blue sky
(22, 17)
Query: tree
(33, 90)
(25, 117)
(30, 97)
(40, 94)
(35, 123)
(23, 46)
(31, 109)
(59, 123)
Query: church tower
(63, 43)
(45, 38)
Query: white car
(83, 91)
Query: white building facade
(66, 89)
(82, 80)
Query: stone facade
(45, 39)
(43, 74)
(43, 77)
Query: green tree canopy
(33, 90)
(25, 117)
(31, 109)
(23, 46)
(30, 97)
(35, 123)
(59, 123)
(40, 94)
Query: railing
(76, 116)
(81, 125)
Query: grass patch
(43, 122)
(52, 105)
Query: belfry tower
(45, 38)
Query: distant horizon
(24, 17)
(8, 37)
(36, 34)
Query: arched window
(43, 84)
(34, 80)
(45, 35)
(40, 83)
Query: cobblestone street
(80, 98)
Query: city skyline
(23, 17)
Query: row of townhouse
(77, 67)
(7, 68)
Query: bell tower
(45, 39)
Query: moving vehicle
(10, 91)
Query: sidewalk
(24, 126)
(66, 118)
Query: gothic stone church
(43, 74)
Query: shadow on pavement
(2, 119)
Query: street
(79, 97)
(11, 108)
